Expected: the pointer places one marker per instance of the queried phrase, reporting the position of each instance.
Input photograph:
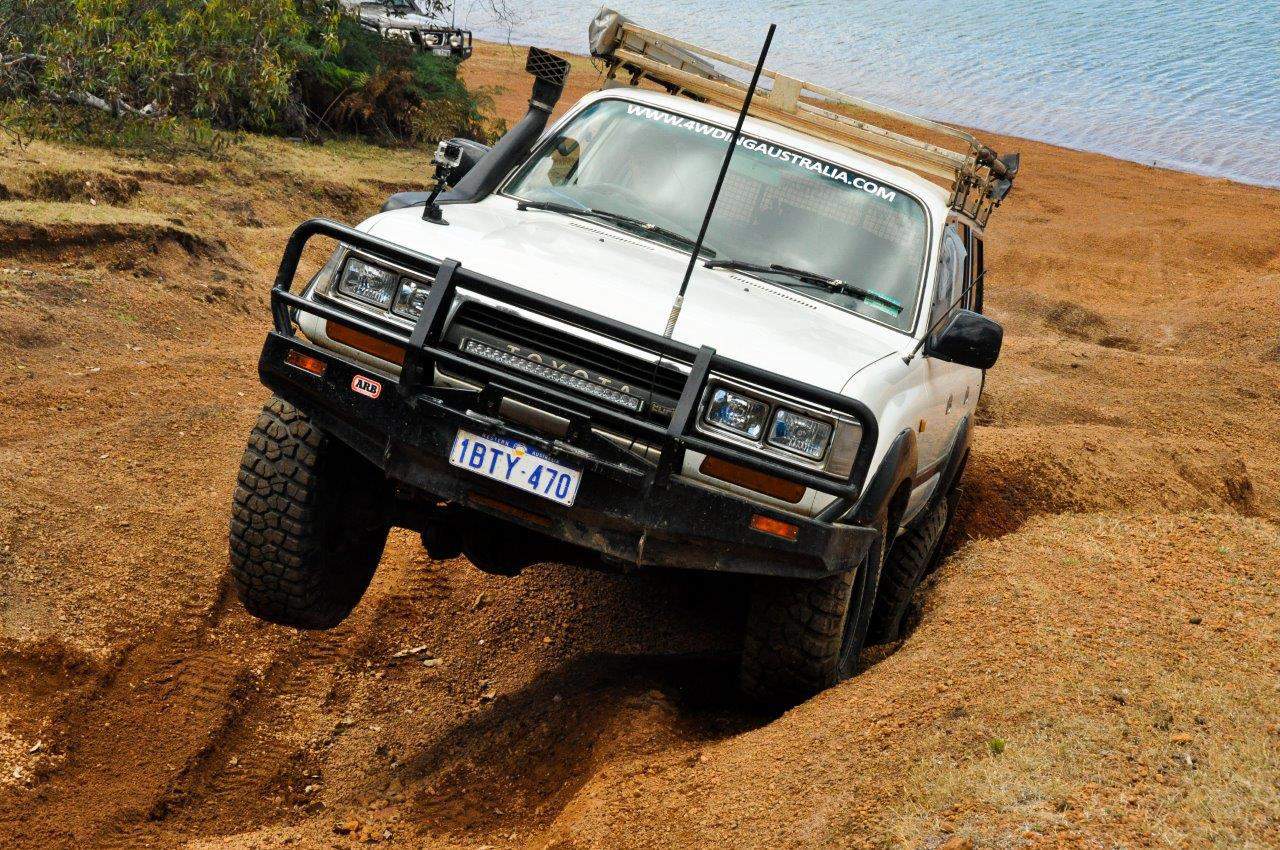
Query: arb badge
(366, 386)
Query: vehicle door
(952, 389)
(974, 378)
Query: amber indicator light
(770, 485)
(305, 362)
(776, 527)
(363, 342)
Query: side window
(965, 293)
(975, 269)
(952, 266)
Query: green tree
(228, 61)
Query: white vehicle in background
(410, 20)
(500, 366)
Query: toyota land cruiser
(498, 367)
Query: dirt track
(1096, 664)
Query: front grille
(501, 329)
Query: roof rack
(977, 177)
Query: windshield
(777, 206)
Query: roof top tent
(977, 177)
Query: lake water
(1189, 85)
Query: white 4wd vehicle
(411, 21)
(494, 369)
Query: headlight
(455, 41)
(430, 39)
(830, 442)
(411, 298)
(737, 413)
(368, 282)
(800, 434)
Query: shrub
(228, 61)
(390, 91)
(284, 66)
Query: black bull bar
(416, 394)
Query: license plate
(516, 464)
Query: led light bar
(555, 376)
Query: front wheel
(309, 520)
(804, 635)
(912, 556)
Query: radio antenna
(715, 193)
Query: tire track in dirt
(212, 728)
(264, 754)
(173, 681)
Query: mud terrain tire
(911, 558)
(804, 635)
(309, 520)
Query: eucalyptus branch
(116, 106)
(15, 59)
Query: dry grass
(61, 213)
(1127, 717)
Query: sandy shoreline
(1094, 664)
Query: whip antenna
(715, 193)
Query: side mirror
(469, 153)
(564, 160)
(969, 339)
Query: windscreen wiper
(831, 284)
(616, 218)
